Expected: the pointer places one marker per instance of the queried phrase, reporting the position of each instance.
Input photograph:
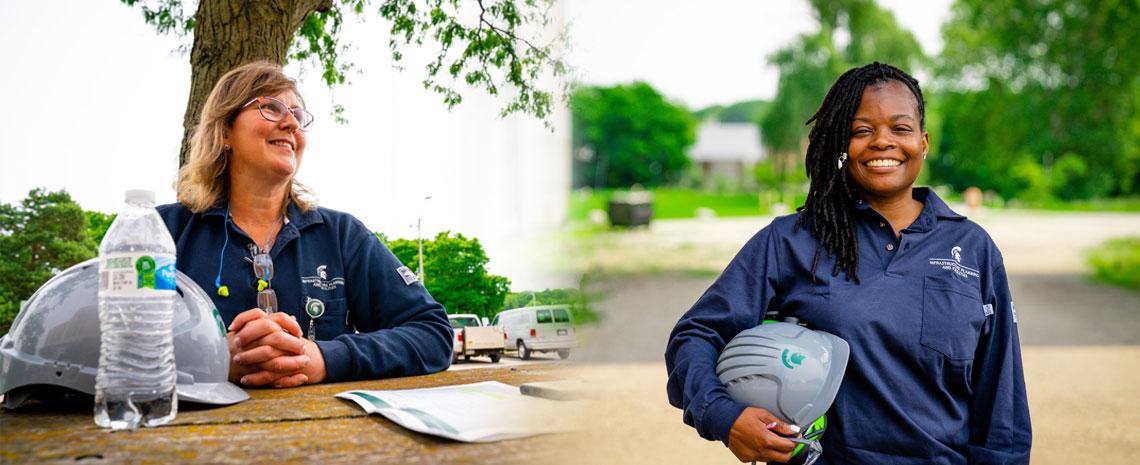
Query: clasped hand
(269, 350)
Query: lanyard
(314, 308)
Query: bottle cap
(140, 195)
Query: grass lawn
(680, 203)
(1121, 204)
(683, 203)
(1117, 262)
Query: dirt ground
(1081, 340)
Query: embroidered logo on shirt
(954, 265)
(407, 274)
(321, 280)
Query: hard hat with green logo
(789, 370)
(54, 342)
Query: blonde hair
(203, 182)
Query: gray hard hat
(789, 370)
(55, 341)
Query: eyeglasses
(267, 297)
(263, 269)
(275, 110)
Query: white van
(547, 328)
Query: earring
(842, 160)
(226, 147)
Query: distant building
(726, 154)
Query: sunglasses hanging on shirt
(263, 270)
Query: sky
(709, 52)
(94, 98)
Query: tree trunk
(230, 33)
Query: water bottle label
(132, 274)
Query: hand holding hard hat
(788, 373)
(751, 438)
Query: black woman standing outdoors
(918, 291)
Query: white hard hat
(789, 370)
(55, 341)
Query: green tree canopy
(455, 272)
(809, 66)
(46, 233)
(485, 44)
(543, 297)
(1049, 87)
(97, 225)
(628, 134)
(574, 298)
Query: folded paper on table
(479, 412)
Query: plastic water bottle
(135, 381)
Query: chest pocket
(333, 322)
(952, 316)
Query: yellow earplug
(224, 291)
(261, 285)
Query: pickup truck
(472, 339)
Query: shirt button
(890, 247)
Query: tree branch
(512, 36)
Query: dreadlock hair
(829, 209)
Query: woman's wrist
(315, 370)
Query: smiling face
(267, 148)
(887, 142)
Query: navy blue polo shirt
(935, 372)
(378, 320)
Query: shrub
(1117, 261)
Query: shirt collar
(293, 215)
(935, 204)
(217, 210)
(301, 219)
(933, 209)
